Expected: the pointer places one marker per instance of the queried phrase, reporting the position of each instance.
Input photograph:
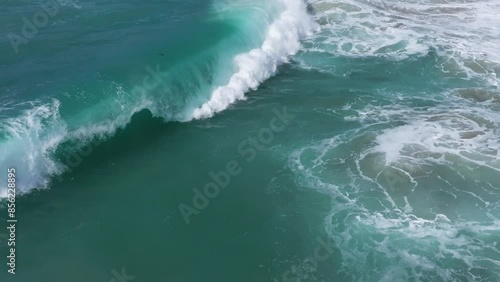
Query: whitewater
(36, 136)
(393, 153)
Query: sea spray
(282, 40)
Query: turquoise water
(252, 140)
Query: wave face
(415, 181)
(224, 49)
(252, 68)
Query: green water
(369, 152)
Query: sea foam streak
(466, 33)
(422, 197)
(283, 39)
(415, 186)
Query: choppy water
(114, 111)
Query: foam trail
(282, 40)
(466, 34)
(434, 173)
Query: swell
(196, 78)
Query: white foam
(32, 138)
(469, 134)
(433, 174)
(282, 40)
(465, 33)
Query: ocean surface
(251, 141)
